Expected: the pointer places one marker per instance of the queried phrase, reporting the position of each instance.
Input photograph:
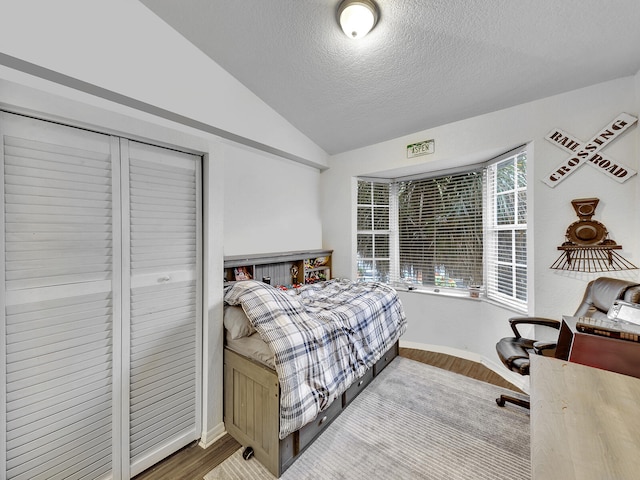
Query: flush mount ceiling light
(357, 17)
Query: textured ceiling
(426, 63)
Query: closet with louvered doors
(93, 306)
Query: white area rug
(413, 421)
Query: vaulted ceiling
(426, 63)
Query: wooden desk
(585, 422)
(621, 356)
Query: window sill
(442, 292)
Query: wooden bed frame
(252, 409)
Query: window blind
(440, 230)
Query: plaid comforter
(324, 336)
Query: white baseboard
(210, 437)
(519, 381)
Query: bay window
(448, 231)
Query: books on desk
(609, 328)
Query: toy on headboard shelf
(288, 287)
(294, 273)
(242, 273)
(316, 262)
(588, 247)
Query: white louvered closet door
(59, 307)
(100, 296)
(162, 299)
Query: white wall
(101, 44)
(583, 113)
(121, 47)
(460, 325)
(271, 204)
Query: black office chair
(598, 297)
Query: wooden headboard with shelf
(309, 266)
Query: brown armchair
(598, 297)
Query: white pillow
(236, 322)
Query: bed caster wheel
(247, 453)
(500, 402)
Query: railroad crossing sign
(588, 152)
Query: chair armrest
(546, 322)
(540, 347)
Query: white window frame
(517, 299)
(491, 289)
(373, 233)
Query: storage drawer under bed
(386, 359)
(312, 429)
(357, 386)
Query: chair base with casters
(503, 399)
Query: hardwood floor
(458, 365)
(194, 462)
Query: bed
(294, 359)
